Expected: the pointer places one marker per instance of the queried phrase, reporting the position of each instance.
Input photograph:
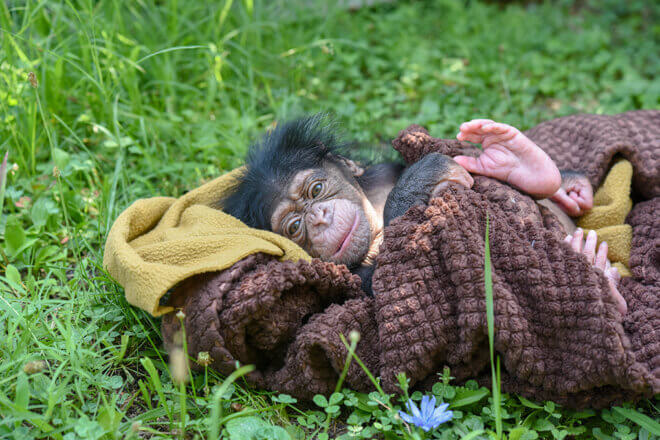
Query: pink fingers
(475, 124)
(568, 204)
(589, 249)
(471, 164)
(471, 131)
(599, 260)
(576, 242)
(613, 278)
(614, 273)
(470, 137)
(601, 257)
(477, 130)
(498, 132)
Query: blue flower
(429, 417)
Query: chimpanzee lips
(346, 241)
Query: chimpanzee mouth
(347, 238)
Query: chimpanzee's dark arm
(365, 273)
(416, 184)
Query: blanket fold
(157, 243)
(283, 317)
(612, 204)
(558, 332)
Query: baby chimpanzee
(298, 184)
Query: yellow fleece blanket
(612, 203)
(158, 242)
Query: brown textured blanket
(558, 333)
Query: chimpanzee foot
(510, 156)
(576, 195)
(599, 260)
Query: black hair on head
(272, 162)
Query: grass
(139, 98)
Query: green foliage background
(141, 98)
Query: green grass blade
(473, 434)
(215, 421)
(369, 374)
(169, 49)
(642, 420)
(488, 282)
(490, 317)
(157, 385)
(3, 180)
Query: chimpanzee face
(326, 212)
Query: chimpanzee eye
(293, 227)
(316, 189)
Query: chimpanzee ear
(354, 168)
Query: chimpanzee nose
(321, 214)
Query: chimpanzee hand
(421, 181)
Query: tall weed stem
(490, 317)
